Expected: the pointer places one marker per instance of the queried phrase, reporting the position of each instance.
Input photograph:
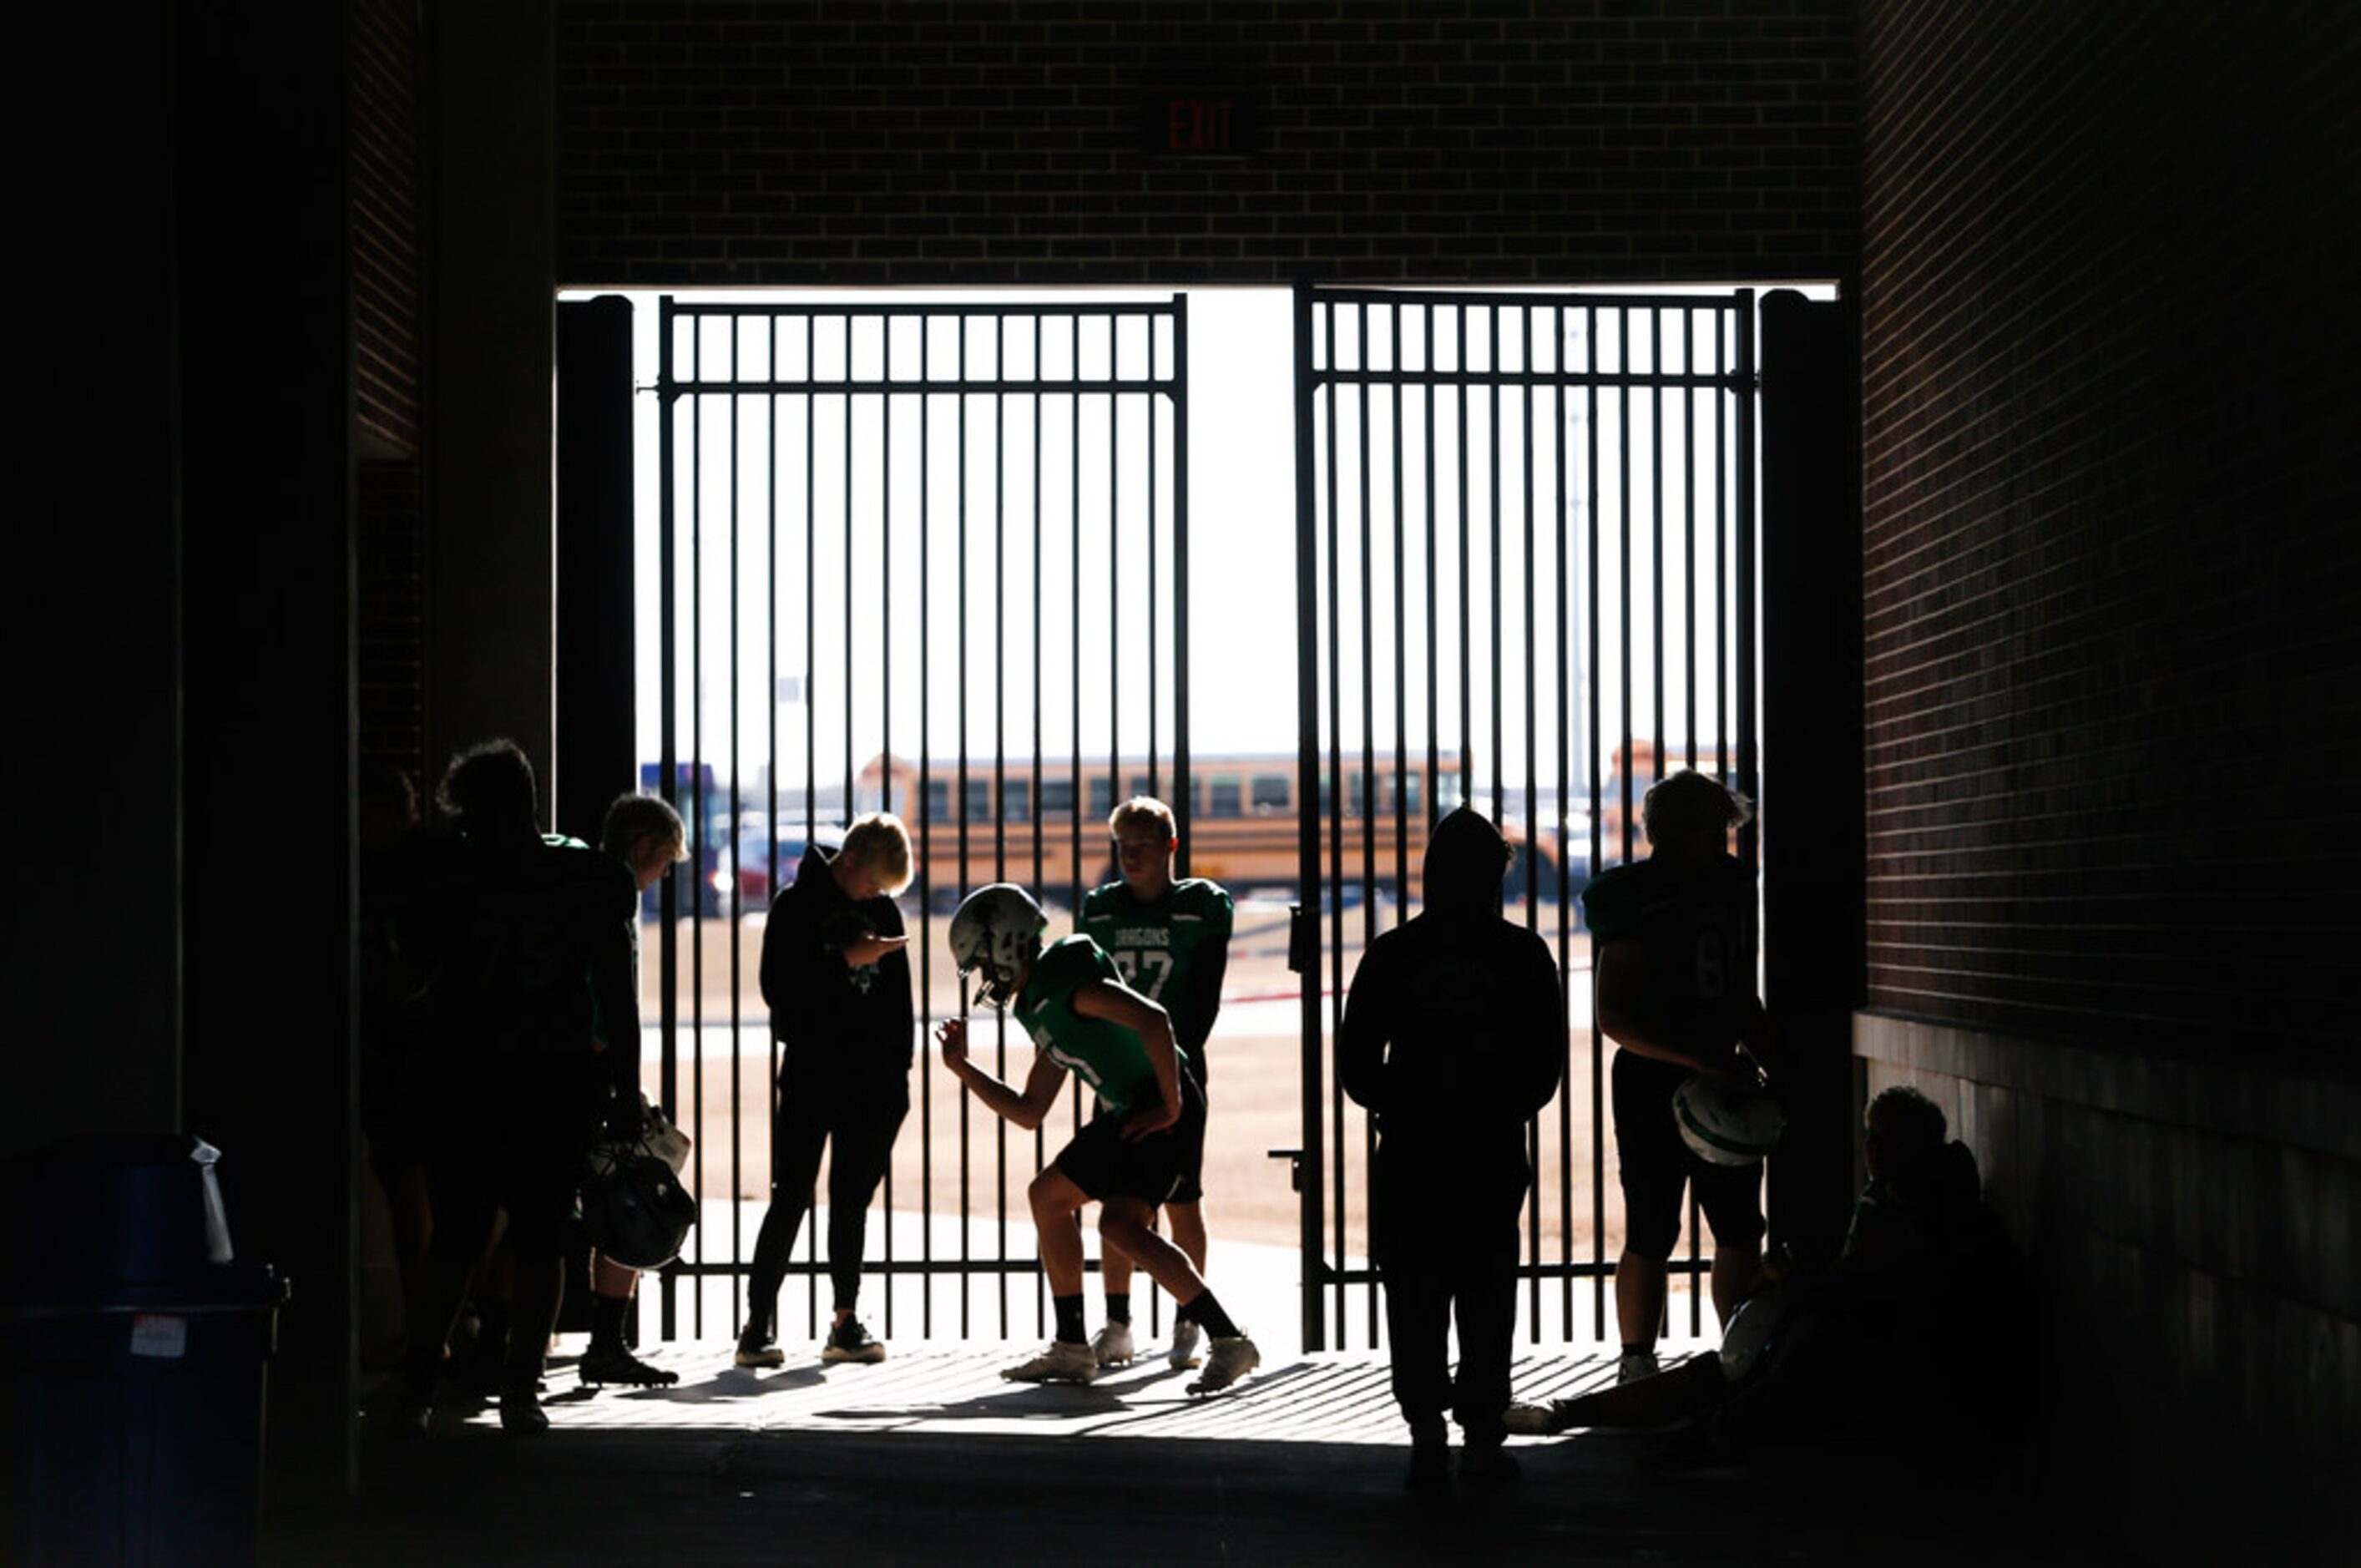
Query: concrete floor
(932, 1458)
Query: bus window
(1057, 797)
(979, 800)
(1222, 797)
(1015, 801)
(1409, 782)
(1102, 796)
(1140, 785)
(938, 800)
(1267, 794)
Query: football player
(534, 1021)
(1083, 1019)
(647, 835)
(1674, 937)
(1171, 941)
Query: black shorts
(1654, 1166)
(1104, 1164)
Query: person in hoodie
(532, 1018)
(1453, 1037)
(837, 982)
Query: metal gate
(931, 557)
(1525, 556)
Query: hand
(1147, 1121)
(952, 1036)
(862, 951)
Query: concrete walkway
(932, 1458)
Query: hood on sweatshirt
(1466, 860)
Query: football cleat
(1112, 1345)
(1063, 1362)
(615, 1366)
(1233, 1356)
(1186, 1337)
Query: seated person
(1923, 1294)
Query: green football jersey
(1173, 951)
(1108, 1057)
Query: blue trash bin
(136, 1346)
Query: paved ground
(932, 1458)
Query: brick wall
(389, 563)
(2112, 577)
(999, 141)
(2110, 532)
(382, 42)
(382, 51)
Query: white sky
(1242, 588)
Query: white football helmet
(1724, 1122)
(996, 933)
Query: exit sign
(1200, 122)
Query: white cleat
(1186, 1337)
(1232, 1358)
(1063, 1362)
(1112, 1345)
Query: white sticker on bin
(160, 1335)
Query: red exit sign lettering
(1200, 123)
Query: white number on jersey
(1145, 970)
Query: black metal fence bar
(868, 387)
(1435, 431)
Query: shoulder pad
(1199, 896)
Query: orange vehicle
(1243, 822)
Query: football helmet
(1723, 1122)
(634, 1208)
(996, 933)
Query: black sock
(1118, 1307)
(607, 1315)
(1632, 1349)
(1070, 1319)
(1180, 1315)
(1207, 1314)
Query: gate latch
(1294, 1158)
(1302, 945)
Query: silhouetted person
(1453, 1037)
(1083, 1019)
(1910, 1341)
(529, 944)
(646, 835)
(1171, 941)
(393, 1089)
(837, 984)
(1673, 940)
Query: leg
(864, 1147)
(464, 1200)
(1418, 1300)
(1189, 1229)
(1732, 1199)
(797, 1135)
(1115, 1268)
(1055, 1201)
(1484, 1281)
(1733, 1273)
(1653, 1170)
(1129, 1225)
(1639, 1298)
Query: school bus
(1020, 826)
